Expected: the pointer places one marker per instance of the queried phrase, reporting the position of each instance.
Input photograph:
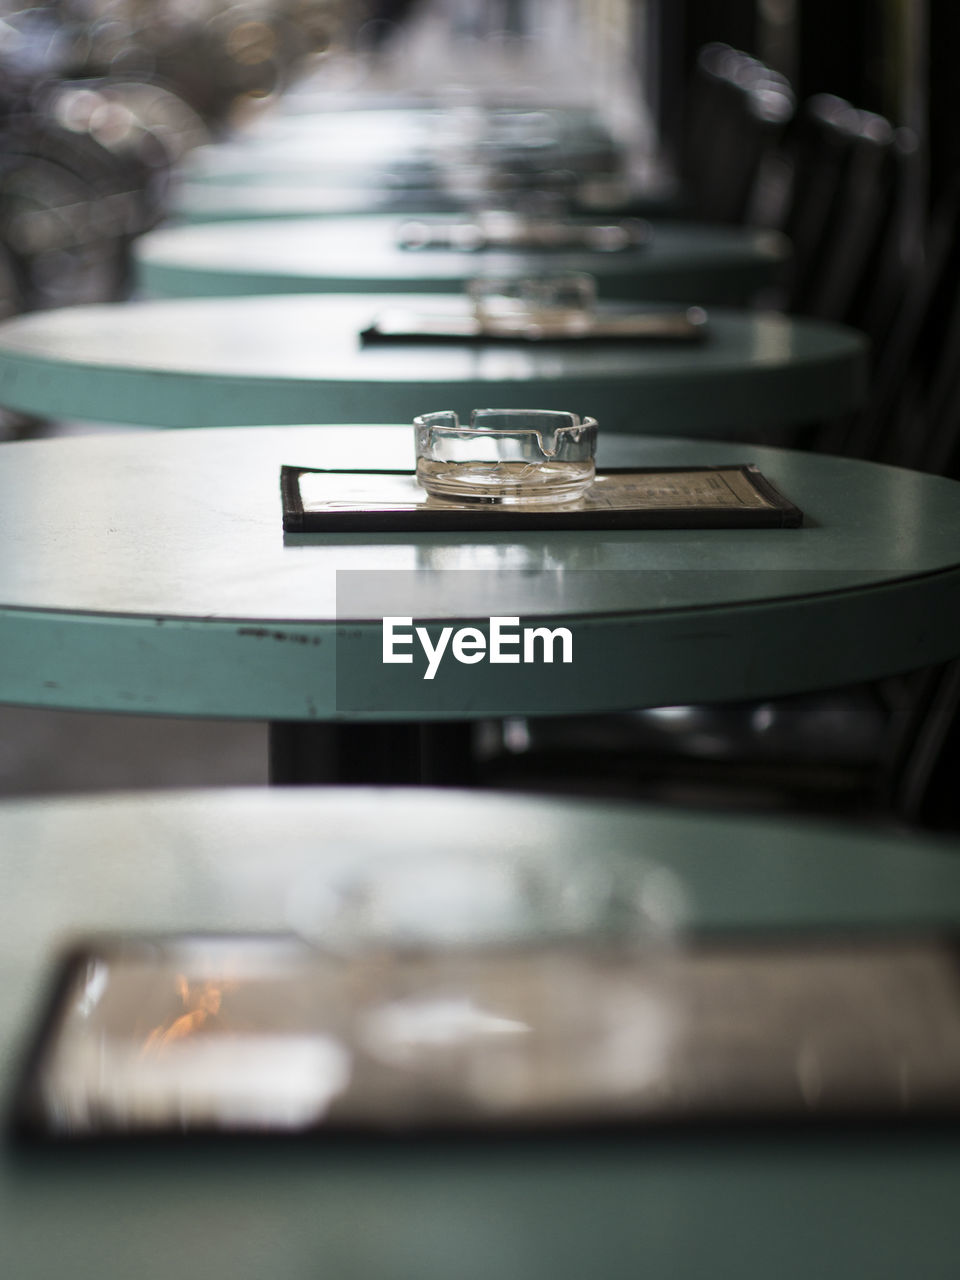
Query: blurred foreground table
(149, 573)
(684, 262)
(830, 1206)
(207, 362)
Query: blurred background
(102, 100)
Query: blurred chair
(11, 424)
(845, 213)
(831, 177)
(84, 168)
(67, 212)
(889, 752)
(737, 110)
(923, 770)
(10, 300)
(912, 416)
(214, 55)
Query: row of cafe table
(155, 577)
(211, 362)
(148, 571)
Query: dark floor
(64, 751)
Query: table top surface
(239, 200)
(830, 1207)
(394, 158)
(378, 132)
(305, 195)
(437, 149)
(399, 108)
(217, 362)
(692, 262)
(148, 571)
(215, 193)
(385, 133)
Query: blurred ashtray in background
(540, 308)
(507, 229)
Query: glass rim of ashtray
(550, 436)
(483, 283)
(575, 423)
(535, 289)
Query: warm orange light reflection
(201, 1002)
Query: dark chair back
(845, 213)
(737, 110)
(864, 213)
(911, 412)
(924, 767)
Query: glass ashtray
(548, 304)
(512, 230)
(506, 456)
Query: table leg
(304, 754)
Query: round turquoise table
(329, 136)
(231, 199)
(401, 144)
(685, 262)
(383, 133)
(212, 362)
(355, 157)
(413, 176)
(251, 178)
(148, 572)
(226, 164)
(240, 200)
(793, 1207)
